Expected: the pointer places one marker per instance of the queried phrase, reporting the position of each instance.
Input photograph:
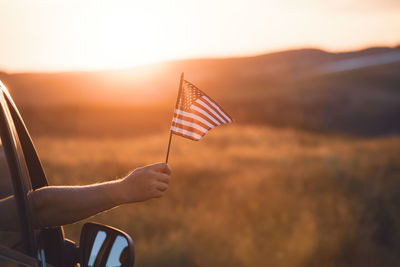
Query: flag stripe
(202, 111)
(207, 118)
(210, 114)
(212, 110)
(186, 133)
(187, 128)
(201, 115)
(189, 124)
(194, 116)
(196, 113)
(204, 103)
(218, 108)
(184, 118)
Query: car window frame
(52, 240)
(37, 175)
(19, 173)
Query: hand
(145, 183)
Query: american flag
(196, 113)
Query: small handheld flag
(195, 113)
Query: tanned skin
(60, 205)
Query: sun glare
(126, 37)
(50, 35)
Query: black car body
(43, 247)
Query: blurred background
(307, 175)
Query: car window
(8, 237)
(22, 162)
(16, 230)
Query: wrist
(115, 192)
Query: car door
(24, 172)
(27, 174)
(17, 238)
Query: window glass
(9, 224)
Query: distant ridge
(355, 92)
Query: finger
(164, 178)
(161, 167)
(158, 194)
(162, 186)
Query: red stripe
(203, 117)
(208, 112)
(184, 135)
(188, 119)
(213, 108)
(204, 94)
(218, 106)
(190, 129)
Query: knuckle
(158, 165)
(163, 188)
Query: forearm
(60, 205)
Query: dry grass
(252, 196)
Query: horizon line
(166, 61)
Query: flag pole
(176, 106)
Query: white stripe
(194, 116)
(215, 106)
(202, 111)
(183, 131)
(210, 109)
(190, 124)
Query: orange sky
(54, 35)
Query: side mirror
(101, 245)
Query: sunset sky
(55, 35)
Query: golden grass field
(248, 196)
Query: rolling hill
(352, 92)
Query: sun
(127, 37)
(47, 35)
